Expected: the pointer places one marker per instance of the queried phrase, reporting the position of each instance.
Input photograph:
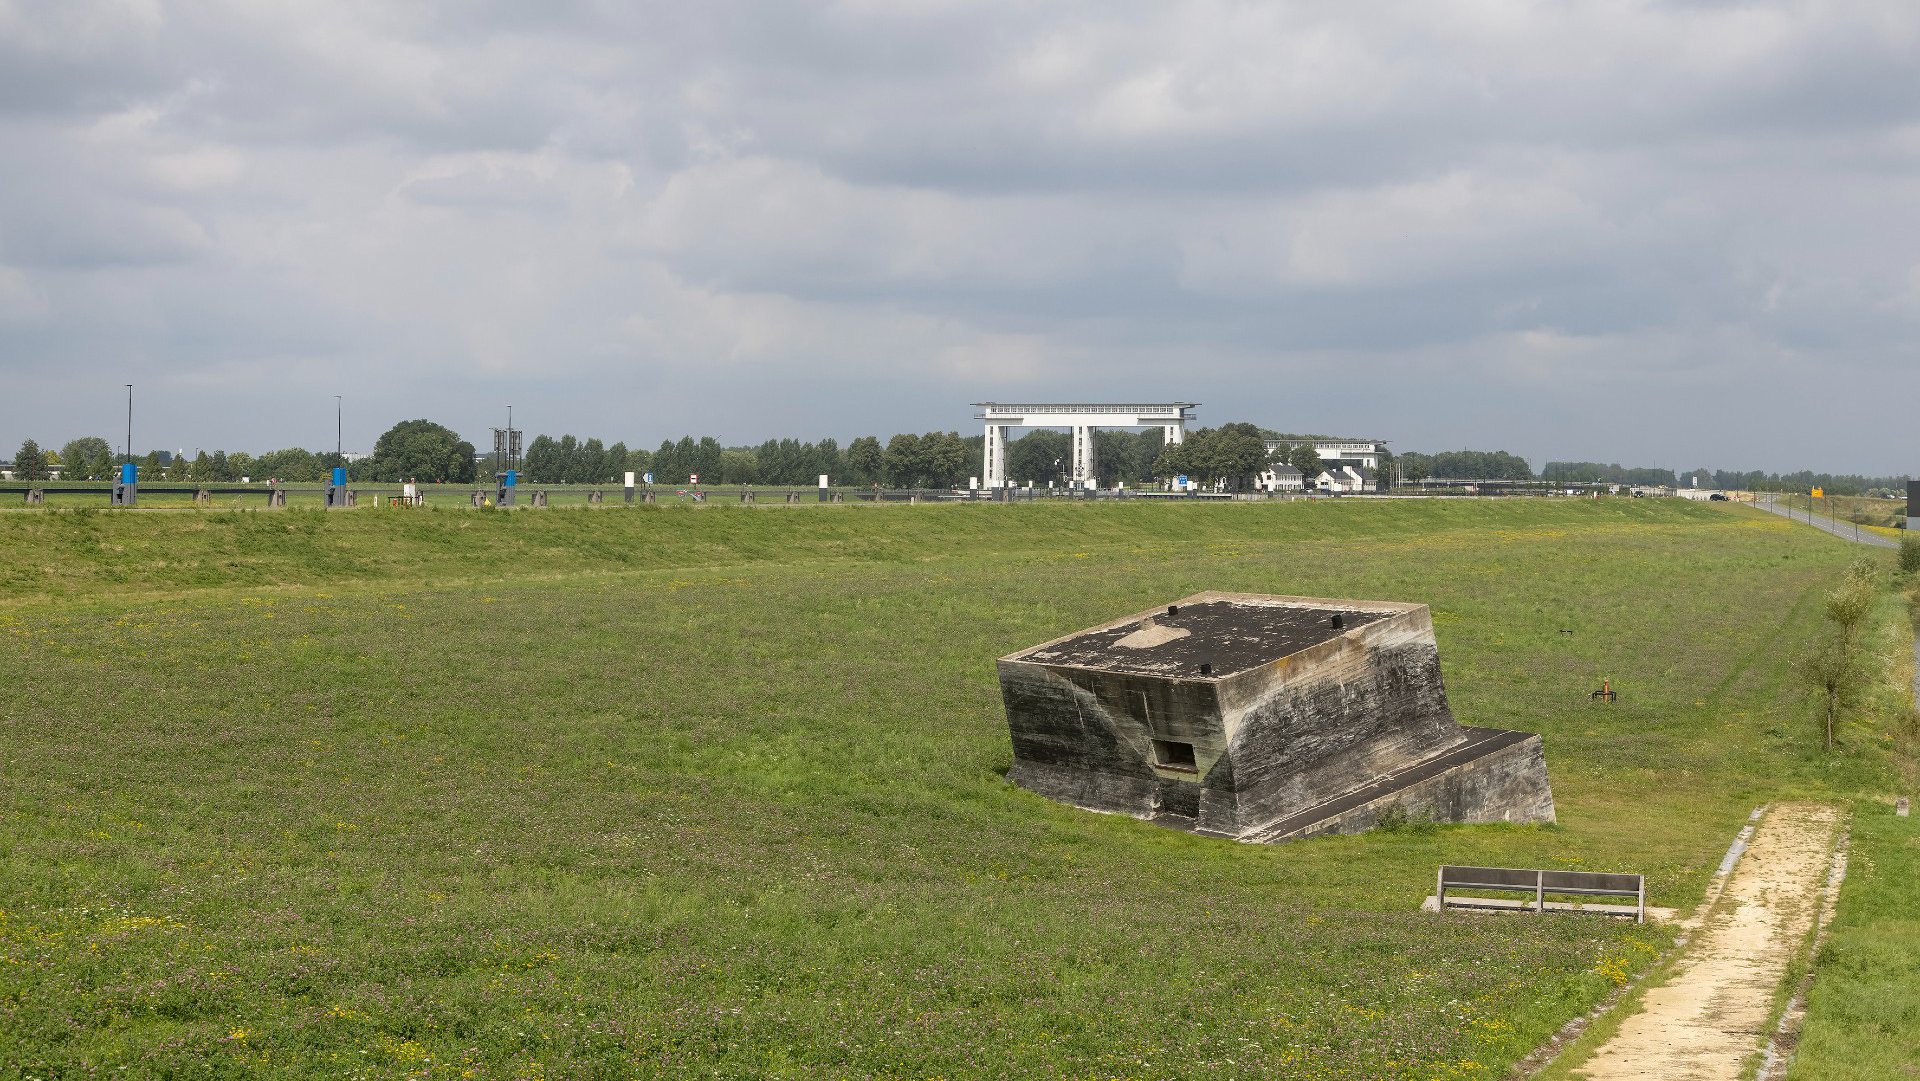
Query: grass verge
(664, 792)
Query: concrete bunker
(1262, 718)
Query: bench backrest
(1493, 878)
(1591, 881)
(1455, 877)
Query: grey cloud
(1438, 223)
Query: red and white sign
(693, 478)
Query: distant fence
(482, 493)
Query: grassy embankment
(671, 791)
(1863, 1016)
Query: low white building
(1347, 479)
(1280, 477)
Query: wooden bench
(1541, 883)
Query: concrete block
(1263, 719)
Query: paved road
(1843, 530)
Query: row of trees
(1732, 479)
(1232, 454)
(413, 449)
(1464, 465)
(935, 459)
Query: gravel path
(1710, 1016)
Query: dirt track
(1710, 1015)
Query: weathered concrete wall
(1086, 738)
(1507, 785)
(1325, 721)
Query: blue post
(508, 481)
(337, 489)
(127, 490)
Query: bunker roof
(1211, 636)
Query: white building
(1347, 479)
(1352, 465)
(1361, 453)
(1279, 477)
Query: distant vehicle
(1718, 497)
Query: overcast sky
(1679, 233)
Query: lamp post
(338, 444)
(129, 422)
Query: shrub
(1909, 554)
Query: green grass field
(718, 791)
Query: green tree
(89, 457)
(1307, 460)
(567, 471)
(904, 466)
(738, 467)
(865, 461)
(1834, 663)
(29, 464)
(1237, 453)
(945, 459)
(826, 459)
(542, 460)
(289, 464)
(667, 467)
(593, 463)
(1038, 457)
(706, 458)
(421, 449)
